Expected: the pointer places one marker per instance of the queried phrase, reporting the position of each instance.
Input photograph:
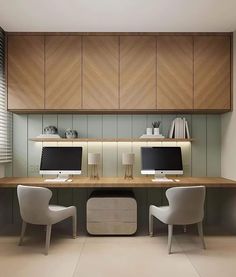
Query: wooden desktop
(119, 182)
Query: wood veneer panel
(212, 72)
(138, 182)
(100, 72)
(174, 72)
(25, 72)
(63, 72)
(137, 72)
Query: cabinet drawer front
(104, 203)
(111, 228)
(112, 215)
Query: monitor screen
(65, 160)
(166, 160)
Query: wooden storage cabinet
(111, 213)
(25, 72)
(132, 72)
(137, 72)
(212, 73)
(63, 72)
(174, 72)
(100, 72)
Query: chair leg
(23, 228)
(74, 226)
(185, 229)
(170, 234)
(150, 224)
(200, 232)
(48, 237)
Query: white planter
(156, 131)
(149, 131)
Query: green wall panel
(20, 145)
(109, 126)
(213, 145)
(199, 146)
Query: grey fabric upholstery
(186, 206)
(35, 209)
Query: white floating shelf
(110, 140)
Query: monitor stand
(60, 179)
(161, 178)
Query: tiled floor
(118, 256)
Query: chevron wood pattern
(100, 72)
(212, 72)
(63, 72)
(137, 72)
(174, 72)
(26, 72)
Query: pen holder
(93, 162)
(128, 162)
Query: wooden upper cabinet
(100, 72)
(174, 72)
(212, 72)
(25, 72)
(137, 72)
(63, 72)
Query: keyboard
(57, 180)
(163, 180)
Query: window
(5, 117)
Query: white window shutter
(5, 116)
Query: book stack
(179, 128)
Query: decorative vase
(70, 134)
(49, 130)
(149, 131)
(156, 131)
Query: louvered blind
(5, 117)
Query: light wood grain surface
(137, 72)
(25, 72)
(63, 72)
(174, 72)
(118, 182)
(100, 72)
(109, 139)
(212, 72)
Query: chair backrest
(34, 203)
(186, 204)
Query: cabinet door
(212, 72)
(25, 72)
(63, 72)
(137, 72)
(100, 72)
(174, 72)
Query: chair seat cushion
(161, 213)
(59, 213)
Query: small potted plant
(156, 125)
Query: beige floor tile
(29, 261)
(217, 260)
(131, 256)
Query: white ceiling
(118, 15)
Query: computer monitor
(61, 160)
(159, 161)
